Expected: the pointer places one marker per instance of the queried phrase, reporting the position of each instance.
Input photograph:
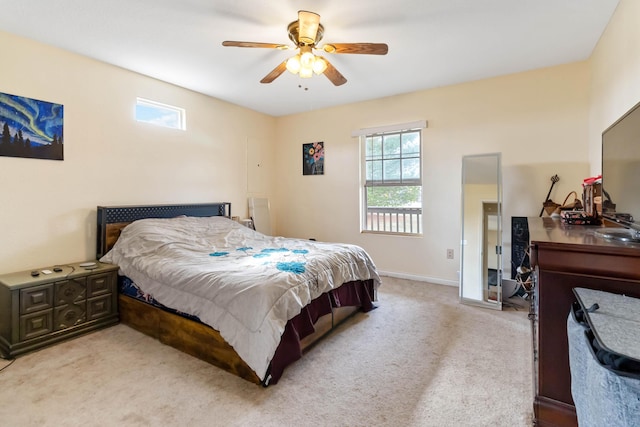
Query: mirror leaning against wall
(481, 243)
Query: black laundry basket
(604, 357)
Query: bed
(248, 303)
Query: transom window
(160, 114)
(392, 191)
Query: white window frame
(178, 115)
(395, 221)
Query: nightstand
(37, 311)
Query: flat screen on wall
(621, 170)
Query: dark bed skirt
(351, 294)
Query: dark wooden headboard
(112, 219)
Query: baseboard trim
(434, 280)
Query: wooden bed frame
(189, 336)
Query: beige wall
(538, 120)
(615, 71)
(544, 122)
(48, 208)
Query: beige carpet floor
(420, 359)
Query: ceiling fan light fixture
(308, 23)
(306, 72)
(306, 33)
(319, 65)
(293, 64)
(306, 59)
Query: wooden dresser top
(548, 231)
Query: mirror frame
(466, 254)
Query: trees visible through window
(393, 182)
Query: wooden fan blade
(358, 48)
(254, 44)
(275, 73)
(334, 75)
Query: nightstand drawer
(68, 291)
(99, 307)
(99, 284)
(36, 298)
(36, 324)
(70, 315)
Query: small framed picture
(313, 158)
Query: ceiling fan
(306, 33)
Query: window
(392, 190)
(160, 114)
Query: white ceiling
(432, 43)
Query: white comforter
(240, 282)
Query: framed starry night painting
(30, 128)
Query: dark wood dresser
(56, 305)
(565, 257)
